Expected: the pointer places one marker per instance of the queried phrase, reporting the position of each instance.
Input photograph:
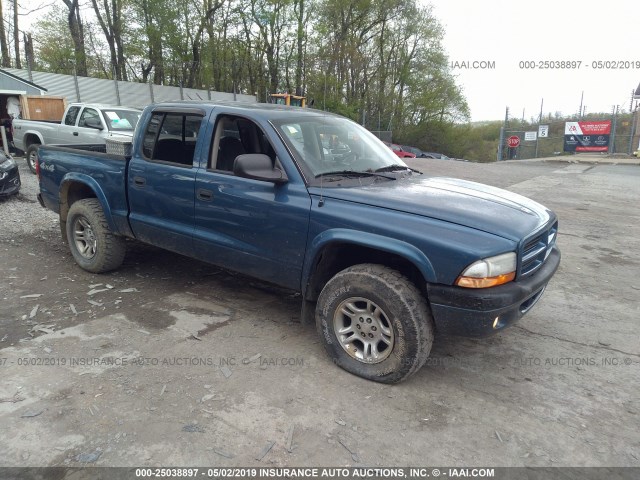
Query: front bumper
(11, 183)
(471, 312)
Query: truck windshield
(121, 120)
(330, 144)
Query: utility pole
(581, 99)
(634, 122)
(539, 123)
(502, 135)
(614, 113)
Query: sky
(497, 35)
(509, 32)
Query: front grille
(536, 250)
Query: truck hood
(471, 204)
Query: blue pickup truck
(384, 257)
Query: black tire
(400, 310)
(92, 244)
(31, 155)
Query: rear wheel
(32, 156)
(375, 323)
(92, 244)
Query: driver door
(255, 227)
(83, 134)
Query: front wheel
(32, 156)
(92, 244)
(375, 323)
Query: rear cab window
(171, 137)
(71, 116)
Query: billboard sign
(587, 136)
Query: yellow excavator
(288, 99)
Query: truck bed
(86, 162)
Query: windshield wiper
(394, 168)
(354, 173)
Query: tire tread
(113, 250)
(409, 294)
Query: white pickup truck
(82, 123)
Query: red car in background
(397, 149)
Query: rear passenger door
(161, 180)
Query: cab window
(72, 114)
(89, 118)
(236, 136)
(171, 137)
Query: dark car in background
(420, 154)
(9, 176)
(440, 156)
(416, 151)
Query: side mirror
(258, 166)
(93, 122)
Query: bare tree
(110, 20)
(16, 34)
(6, 60)
(301, 19)
(209, 8)
(28, 49)
(271, 21)
(153, 22)
(76, 28)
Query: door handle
(75, 134)
(139, 181)
(205, 195)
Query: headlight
(489, 272)
(6, 164)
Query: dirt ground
(169, 361)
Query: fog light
(495, 322)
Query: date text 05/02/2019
(579, 64)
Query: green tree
(54, 48)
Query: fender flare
(75, 177)
(370, 240)
(34, 133)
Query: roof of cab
(267, 111)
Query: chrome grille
(536, 250)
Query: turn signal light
(471, 282)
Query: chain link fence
(624, 138)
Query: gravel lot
(210, 368)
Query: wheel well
(336, 257)
(31, 139)
(72, 192)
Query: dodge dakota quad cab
(80, 124)
(383, 256)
